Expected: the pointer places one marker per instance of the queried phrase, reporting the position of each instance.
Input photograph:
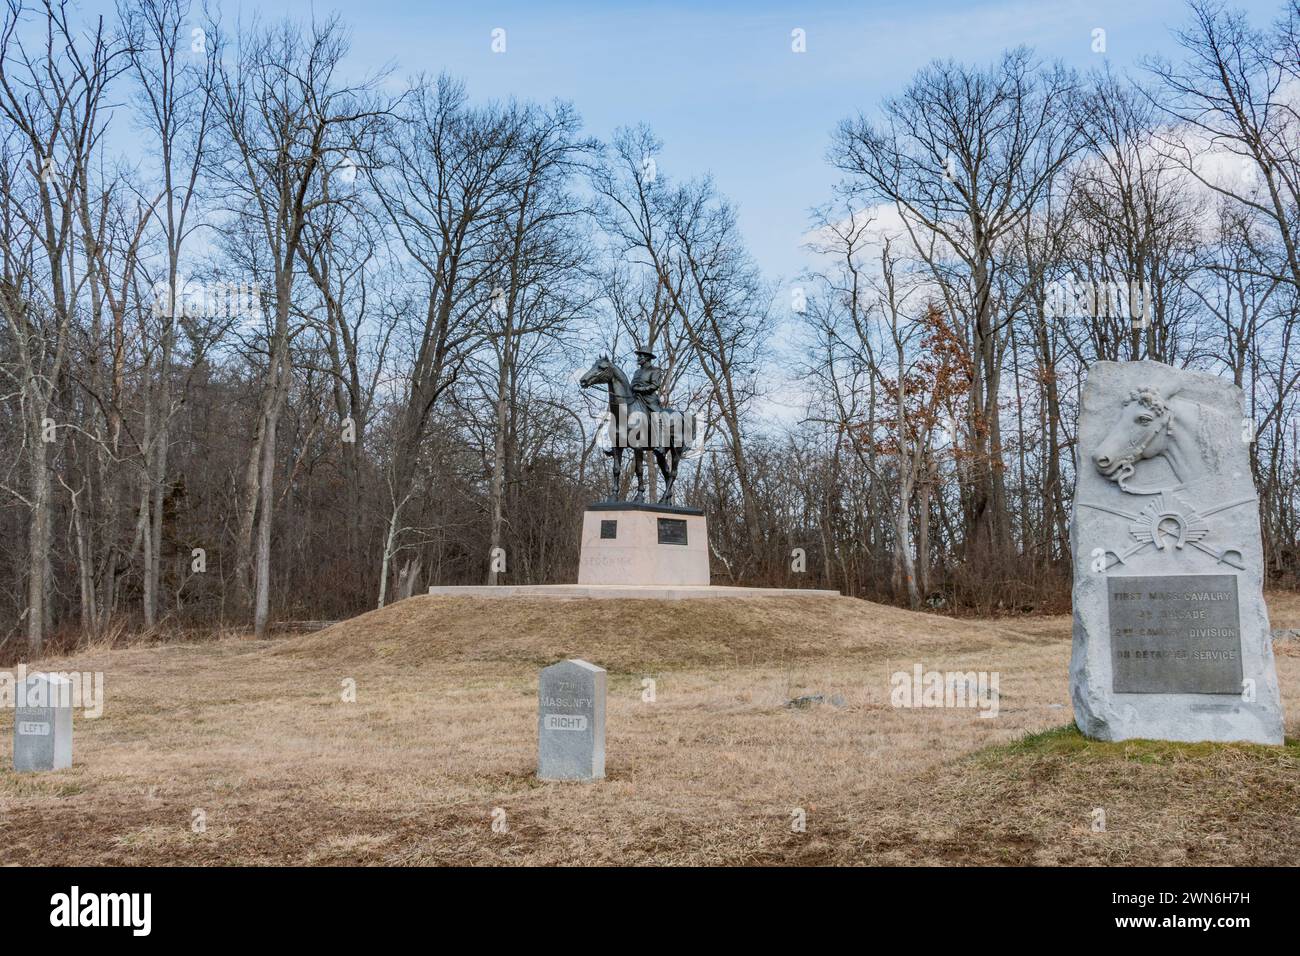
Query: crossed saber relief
(1224, 556)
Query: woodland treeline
(286, 338)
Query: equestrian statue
(640, 422)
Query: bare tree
(444, 185)
(50, 100)
(965, 155)
(289, 121)
(537, 280)
(175, 73)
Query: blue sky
(719, 83)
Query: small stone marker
(571, 722)
(43, 723)
(1171, 634)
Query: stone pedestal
(1171, 635)
(635, 544)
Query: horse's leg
(665, 472)
(616, 450)
(671, 476)
(617, 459)
(638, 460)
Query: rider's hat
(644, 350)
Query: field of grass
(256, 740)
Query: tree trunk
(262, 596)
(38, 543)
(498, 467)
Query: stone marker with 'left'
(43, 723)
(571, 722)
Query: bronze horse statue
(637, 427)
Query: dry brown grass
(256, 735)
(1284, 609)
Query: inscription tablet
(1175, 634)
(672, 531)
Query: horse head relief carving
(1152, 426)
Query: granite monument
(1171, 635)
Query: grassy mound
(635, 634)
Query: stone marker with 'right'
(571, 722)
(43, 723)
